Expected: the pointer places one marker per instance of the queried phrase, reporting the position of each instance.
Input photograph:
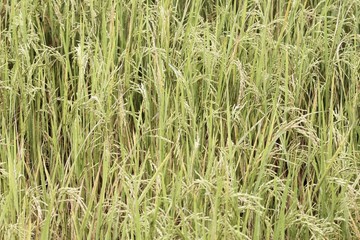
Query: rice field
(179, 119)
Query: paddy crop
(179, 119)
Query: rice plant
(179, 119)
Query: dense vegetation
(179, 119)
